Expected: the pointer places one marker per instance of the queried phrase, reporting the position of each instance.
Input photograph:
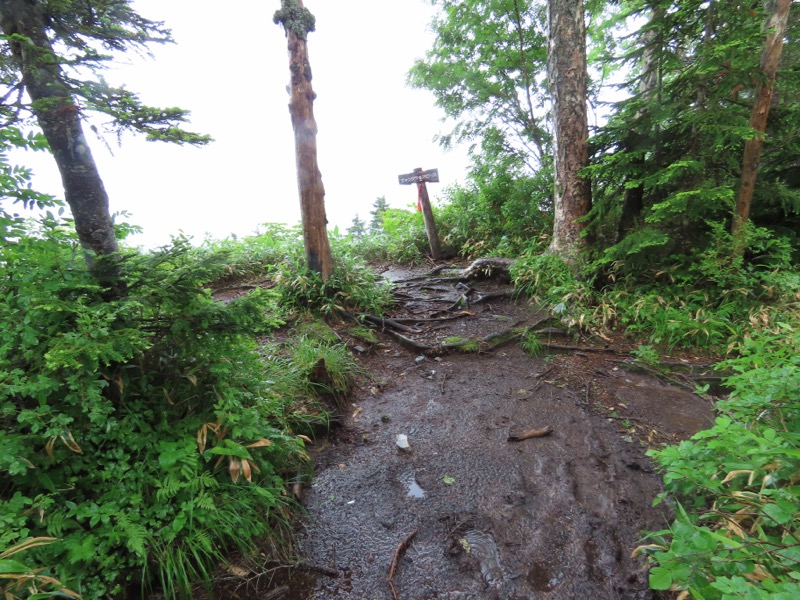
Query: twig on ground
(395, 559)
(533, 433)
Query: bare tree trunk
(778, 14)
(59, 118)
(566, 69)
(297, 21)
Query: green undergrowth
(698, 300)
(735, 486)
(149, 432)
(276, 256)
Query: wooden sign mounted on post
(421, 177)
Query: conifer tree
(49, 52)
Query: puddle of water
(414, 488)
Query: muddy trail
(487, 474)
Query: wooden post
(420, 177)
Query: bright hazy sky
(229, 66)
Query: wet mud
(546, 517)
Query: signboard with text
(429, 176)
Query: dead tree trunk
(24, 22)
(770, 59)
(566, 70)
(297, 22)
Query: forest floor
(468, 510)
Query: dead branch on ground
(395, 559)
(527, 435)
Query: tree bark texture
(777, 17)
(301, 109)
(566, 70)
(59, 118)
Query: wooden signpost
(421, 177)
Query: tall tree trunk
(59, 118)
(777, 16)
(297, 22)
(566, 69)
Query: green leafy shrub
(737, 529)
(142, 431)
(551, 282)
(503, 210)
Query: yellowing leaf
(736, 473)
(262, 443)
(234, 468)
(70, 443)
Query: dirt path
(483, 517)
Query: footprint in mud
(482, 547)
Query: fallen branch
(533, 433)
(395, 559)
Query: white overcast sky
(229, 66)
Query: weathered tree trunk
(59, 118)
(297, 22)
(566, 69)
(778, 14)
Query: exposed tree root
(393, 565)
(636, 367)
(317, 568)
(277, 593)
(413, 344)
(389, 323)
(481, 268)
